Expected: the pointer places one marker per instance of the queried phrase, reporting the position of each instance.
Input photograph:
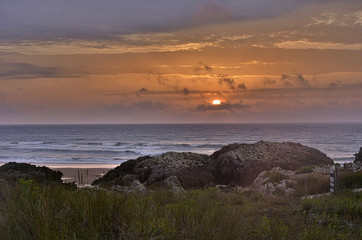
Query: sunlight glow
(216, 102)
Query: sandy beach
(81, 174)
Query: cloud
(64, 46)
(29, 71)
(304, 44)
(142, 90)
(85, 19)
(162, 80)
(229, 82)
(341, 20)
(241, 87)
(333, 85)
(269, 82)
(222, 107)
(203, 66)
(211, 11)
(186, 91)
(294, 81)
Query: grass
(348, 180)
(31, 211)
(305, 169)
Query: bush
(305, 169)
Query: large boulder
(191, 169)
(12, 172)
(242, 163)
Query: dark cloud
(333, 85)
(162, 80)
(143, 90)
(29, 71)
(241, 87)
(23, 19)
(269, 82)
(202, 66)
(229, 82)
(222, 106)
(211, 11)
(186, 91)
(294, 81)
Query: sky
(165, 61)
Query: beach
(81, 174)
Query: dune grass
(31, 211)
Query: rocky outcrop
(12, 172)
(242, 163)
(358, 157)
(191, 169)
(235, 164)
(275, 182)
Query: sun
(216, 102)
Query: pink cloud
(211, 11)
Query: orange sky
(302, 64)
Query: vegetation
(32, 211)
(305, 169)
(348, 180)
(275, 177)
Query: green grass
(30, 211)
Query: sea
(114, 144)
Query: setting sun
(216, 102)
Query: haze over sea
(113, 144)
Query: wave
(45, 143)
(210, 146)
(82, 151)
(94, 143)
(118, 144)
(14, 143)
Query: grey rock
(242, 163)
(137, 187)
(128, 179)
(191, 169)
(174, 185)
(263, 183)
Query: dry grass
(29, 211)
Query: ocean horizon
(112, 144)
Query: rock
(242, 163)
(358, 158)
(13, 171)
(275, 182)
(128, 179)
(191, 169)
(137, 187)
(115, 175)
(173, 184)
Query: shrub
(305, 169)
(275, 177)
